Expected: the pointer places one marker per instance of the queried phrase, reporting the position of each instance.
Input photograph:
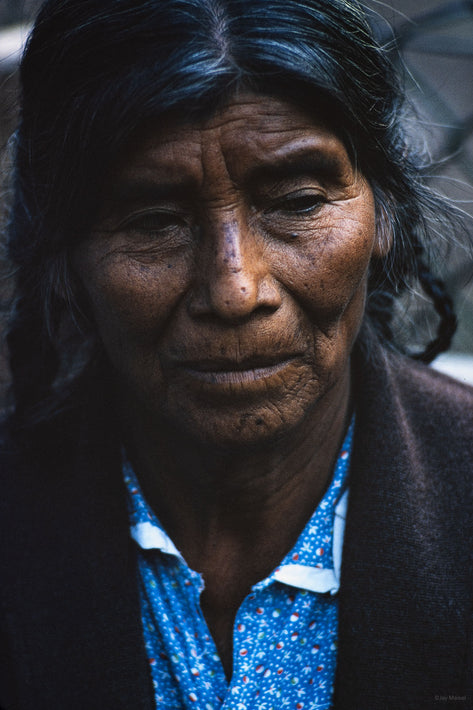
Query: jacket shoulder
(436, 398)
(422, 392)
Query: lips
(235, 365)
(245, 371)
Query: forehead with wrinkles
(253, 132)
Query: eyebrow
(128, 190)
(313, 162)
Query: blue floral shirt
(285, 632)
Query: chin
(239, 429)
(239, 438)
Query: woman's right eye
(154, 222)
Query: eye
(299, 203)
(153, 222)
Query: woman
(214, 210)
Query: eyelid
(150, 212)
(315, 196)
(301, 192)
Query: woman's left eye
(298, 203)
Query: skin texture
(226, 276)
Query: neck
(206, 496)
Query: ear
(67, 287)
(384, 236)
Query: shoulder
(46, 469)
(415, 425)
(32, 470)
(412, 463)
(84, 421)
(426, 383)
(429, 400)
(437, 405)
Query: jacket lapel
(406, 575)
(73, 608)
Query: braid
(443, 304)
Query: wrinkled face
(227, 272)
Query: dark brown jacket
(70, 617)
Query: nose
(233, 278)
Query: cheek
(131, 301)
(329, 271)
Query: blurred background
(431, 41)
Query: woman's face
(227, 271)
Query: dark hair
(95, 70)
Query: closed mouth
(225, 371)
